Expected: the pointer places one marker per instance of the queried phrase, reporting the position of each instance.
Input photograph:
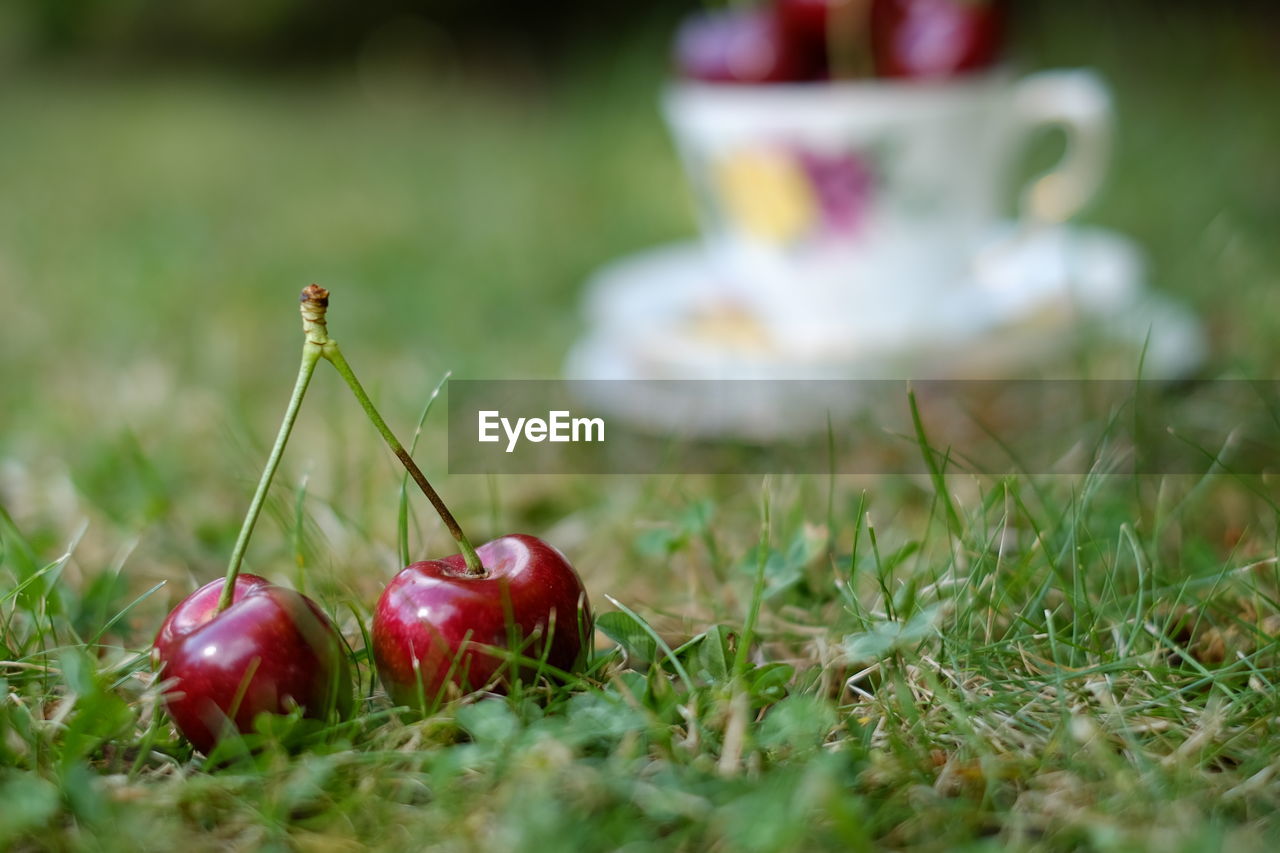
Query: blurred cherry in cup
(935, 38)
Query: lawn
(809, 662)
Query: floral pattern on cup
(766, 193)
(845, 185)
(786, 194)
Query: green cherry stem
(316, 299)
(311, 354)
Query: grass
(1046, 675)
(940, 662)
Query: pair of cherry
(242, 646)
(796, 41)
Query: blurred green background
(172, 174)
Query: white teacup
(819, 199)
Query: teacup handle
(1078, 102)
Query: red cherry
(935, 38)
(744, 46)
(272, 649)
(433, 617)
(838, 31)
(806, 19)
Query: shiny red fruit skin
(273, 648)
(806, 20)
(935, 38)
(431, 609)
(744, 46)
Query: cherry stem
(310, 356)
(317, 299)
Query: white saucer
(667, 313)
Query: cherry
(935, 38)
(744, 46)
(271, 650)
(434, 620)
(836, 30)
(241, 646)
(516, 593)
(806, 19)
